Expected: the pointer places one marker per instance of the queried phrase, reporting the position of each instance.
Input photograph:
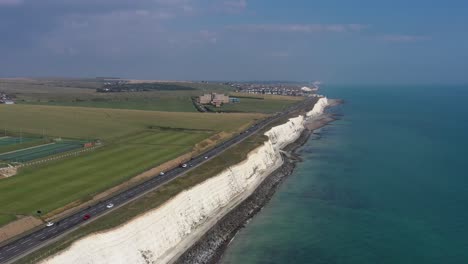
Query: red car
(86, 217)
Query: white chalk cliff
(160, 235)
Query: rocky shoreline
(211, 247)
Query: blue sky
(395, 42)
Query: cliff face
(319, 107)
(162, 234)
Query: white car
(184, 165)
(49, 224)
(110, 205)
(206, 157)
(161, 173)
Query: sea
(386, 183)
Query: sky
(354, 42)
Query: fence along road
(46, 235)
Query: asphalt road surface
(45, 235)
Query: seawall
(163, 234)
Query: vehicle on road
(49, 224)
(86, 216)
(183, 165)
(110, 205)
(161, 173)
(206, 157)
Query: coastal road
(46, 235)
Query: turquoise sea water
(388, 183)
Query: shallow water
(385, 184)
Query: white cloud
(404, 38)
(299, 28)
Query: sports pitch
(28, 154)
(7, 141)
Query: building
(214, 99)
(204, 99)
(219, 99)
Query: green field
(58, 183)
(107, 124)
(6, 218)
(170, 101)
(28, 154)
(82, 93)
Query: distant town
(274, 88)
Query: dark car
(86, 216)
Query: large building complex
(214, 99)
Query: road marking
(13, 247)
(24, 241)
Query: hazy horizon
(335, 42)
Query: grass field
(56, 184)
(6, 218)
(96, 123)
(28, 154)
(81, 93)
